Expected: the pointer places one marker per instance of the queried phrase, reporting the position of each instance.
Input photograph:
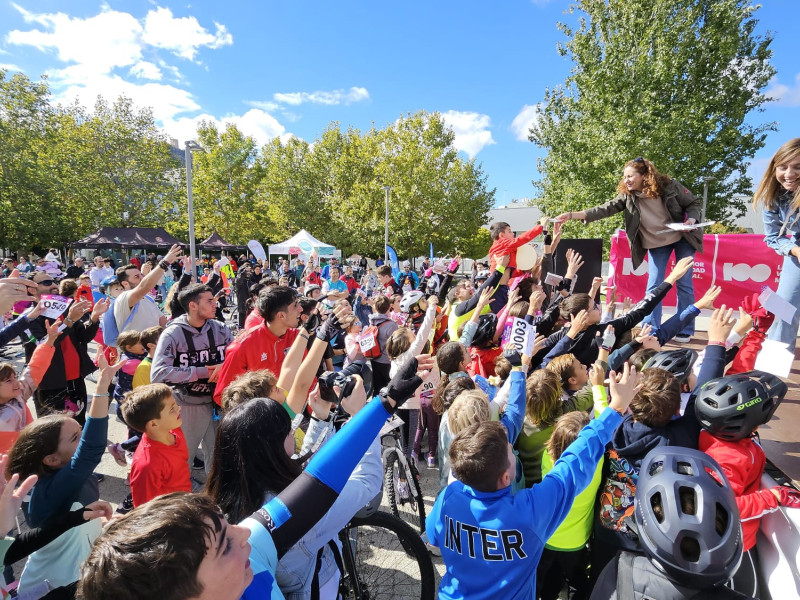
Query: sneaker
(431, 462)
(118, 453)
(682, 339)
(125, 506)
(403, 489)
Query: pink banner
(740, 263)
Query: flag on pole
(392, 255)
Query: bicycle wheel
(384, 558)
(403, 491)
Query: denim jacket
(773, 223)
(296, 568)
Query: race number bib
(522, 336)
(54, 306)
(366, 342)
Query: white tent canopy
(303, 243)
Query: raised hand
(682, 267)
(623, 387)
(578, 324)
(10, 498)
(707, 301)
(720, 325)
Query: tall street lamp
(188, 147)
(386, 228)
(706, 181)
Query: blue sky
(290, 68)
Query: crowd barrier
(740, 263)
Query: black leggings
(556, 567)
(745, 581)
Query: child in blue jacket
(481, 528)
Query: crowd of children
(558, 449)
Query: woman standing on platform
(778, 193)
(650, 201)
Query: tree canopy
(676, 81)
(66, 171)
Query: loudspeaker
(592, 252)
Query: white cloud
(99, 43)
(354, 94)
(255, 122)
(146, 70)
(263, 104)
(524, 120)
(471, 130)
(10, 67)
(785, 95)
(182, 35)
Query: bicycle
(401, 477)
(383, 557)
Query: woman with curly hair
(778, 195)
(651, 200)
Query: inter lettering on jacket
(482, 542)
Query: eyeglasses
(45, 282)
(638, 159)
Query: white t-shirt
(145, 314)
(97, 275)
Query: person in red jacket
(161, 461)
(264, 346)
(729, 410)
(505, 244)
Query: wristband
(605, 348)
(71, 322)
(163, 265)
(106, 395)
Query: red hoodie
(254, 350)
(743, 463)
(506, 247)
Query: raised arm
(150, 280)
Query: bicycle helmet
(110, 280)
(687, 517)
(487, 325)
(409, 299)
(677, 362)
(482, 275)
(730, 408)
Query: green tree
(224, 183)
(673, 80)
(32, 213)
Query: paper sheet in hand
(686, 226)
(775, 358)
(54, 306)
(777, 305)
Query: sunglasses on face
(47, 282)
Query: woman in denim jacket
(778, 193)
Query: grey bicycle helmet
(730, 408)
(409, 299)
(687, 517)
(677, 362)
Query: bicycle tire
(408, 507)
(383, 557)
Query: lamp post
(386, 228)
(706, 180)
(188, 147)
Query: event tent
(216, 243)
(303, 243)
(127, 238)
